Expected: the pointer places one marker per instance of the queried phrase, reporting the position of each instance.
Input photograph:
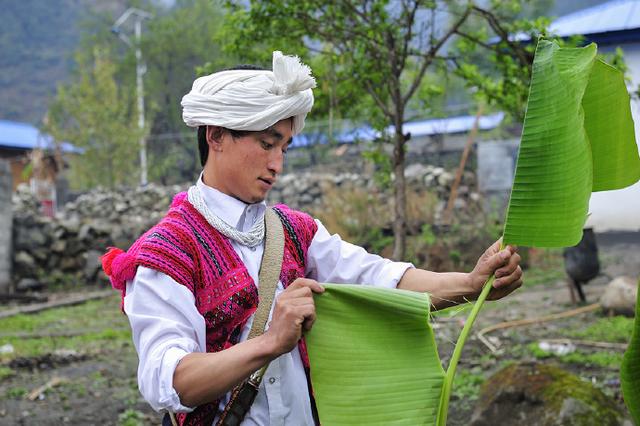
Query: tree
(384, 48)
(175, 43)
(99, 117)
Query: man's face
(247, 167)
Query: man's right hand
(293, 313)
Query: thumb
(496, 260)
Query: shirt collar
(230, 209)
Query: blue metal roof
(434, 126)
(616, 15)
(24, 136)
(439, 126)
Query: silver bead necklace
(251, 238)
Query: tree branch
(428, 58)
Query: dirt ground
(98, 386)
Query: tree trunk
(399, 194)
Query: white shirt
(166, 324)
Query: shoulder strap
(270, 268)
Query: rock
(29, 237)
(24, 260)
(415, 172)
(531, 394)
(59, 246)
(620, 296)
(29, 284)
(92, 265)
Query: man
(189, 283)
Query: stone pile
(67, 248)
(305, 190)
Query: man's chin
(253, 199)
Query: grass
(466, 385)
(616, 329)
(6, 372)
(131, 417)
(100, 325)
(600, 358)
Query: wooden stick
(463, 161)
(55, 381)
(73, 300)
(529, 321)
(605, 345)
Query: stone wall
(6, 186)
(67, 248)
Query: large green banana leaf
(578, 137)
(373, 357)
(371, 350)
(630, 369)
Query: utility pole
(138, 16)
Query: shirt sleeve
(332, 260)
(165, 326)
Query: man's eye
(266, 145)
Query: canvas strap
(269, 274)
(244, 394)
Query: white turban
(252, 99)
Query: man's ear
(214, 137)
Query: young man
(189, 283)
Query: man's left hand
(505, 264)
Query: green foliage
(98, 116)
(383, 166)
(630, 371)
(175, 43)
(96, 110)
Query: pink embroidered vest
(187, 248)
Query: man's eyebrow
(274, 133)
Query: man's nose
(276, 162)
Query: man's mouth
(268, 181)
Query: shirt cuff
(394, 272)
(169, 398)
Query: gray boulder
(620, 296)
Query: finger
(309, 320)
(515, 276)
(499, 293)
(297, 302)
(511, 266)
(296, 292)
(495, 261)
(307, 316)
(494, 248)
(307, 282)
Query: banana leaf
(578, 137)
(373, 359)
(630, 369)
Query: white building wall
(620, 210)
